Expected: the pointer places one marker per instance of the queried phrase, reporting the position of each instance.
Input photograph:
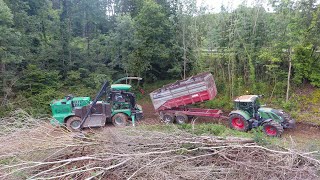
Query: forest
(49, 48)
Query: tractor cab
(120, 97)
(248, 103)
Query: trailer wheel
(168, 118)
(73, 123)
(120, 120)
(181, 118)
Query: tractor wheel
(73, 123)
(120, 120)
(168, 118)
(273, 129)
(181, 118)
(238, 122)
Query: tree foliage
(58, 45)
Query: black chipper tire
(120, 120)
(238, 122)
(273, 129)
(73, 123)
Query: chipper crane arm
(102, 91)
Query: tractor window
(243, 105)
(119, 98)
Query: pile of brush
(46, 152)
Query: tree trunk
(289, 74)
(4, 82)
(229, 77)
(184, 51)
(84, 24)
(69, 34)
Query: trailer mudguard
(242, 113)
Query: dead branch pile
(46, 152)
(18, 120)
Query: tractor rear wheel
(273, 129)
(238, 122)
(181, 118)
(168, 118)
(73, 123)
(120, 120)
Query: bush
(259, 137)
(223, 102)
(289, 106)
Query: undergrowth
(214, 130)
(306, 107)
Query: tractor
(250, 114)
(119, 107)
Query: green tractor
(249, 114)
(119, 107)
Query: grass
(213, 130)
(307, 107)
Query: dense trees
(256, 47)
(50, 46)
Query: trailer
(172, 101)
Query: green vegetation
(51, 48)
(214, 130)
(308, 106)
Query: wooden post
(289, 74)
(184, 51)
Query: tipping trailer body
(173, 98)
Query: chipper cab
(249, 114)
(119, 107)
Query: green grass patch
(307, 107)
(213, 130)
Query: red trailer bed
(195, 89)
(171, 100)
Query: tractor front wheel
(120, 120)
(73, 123)
(238, 122)
(273, 129)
